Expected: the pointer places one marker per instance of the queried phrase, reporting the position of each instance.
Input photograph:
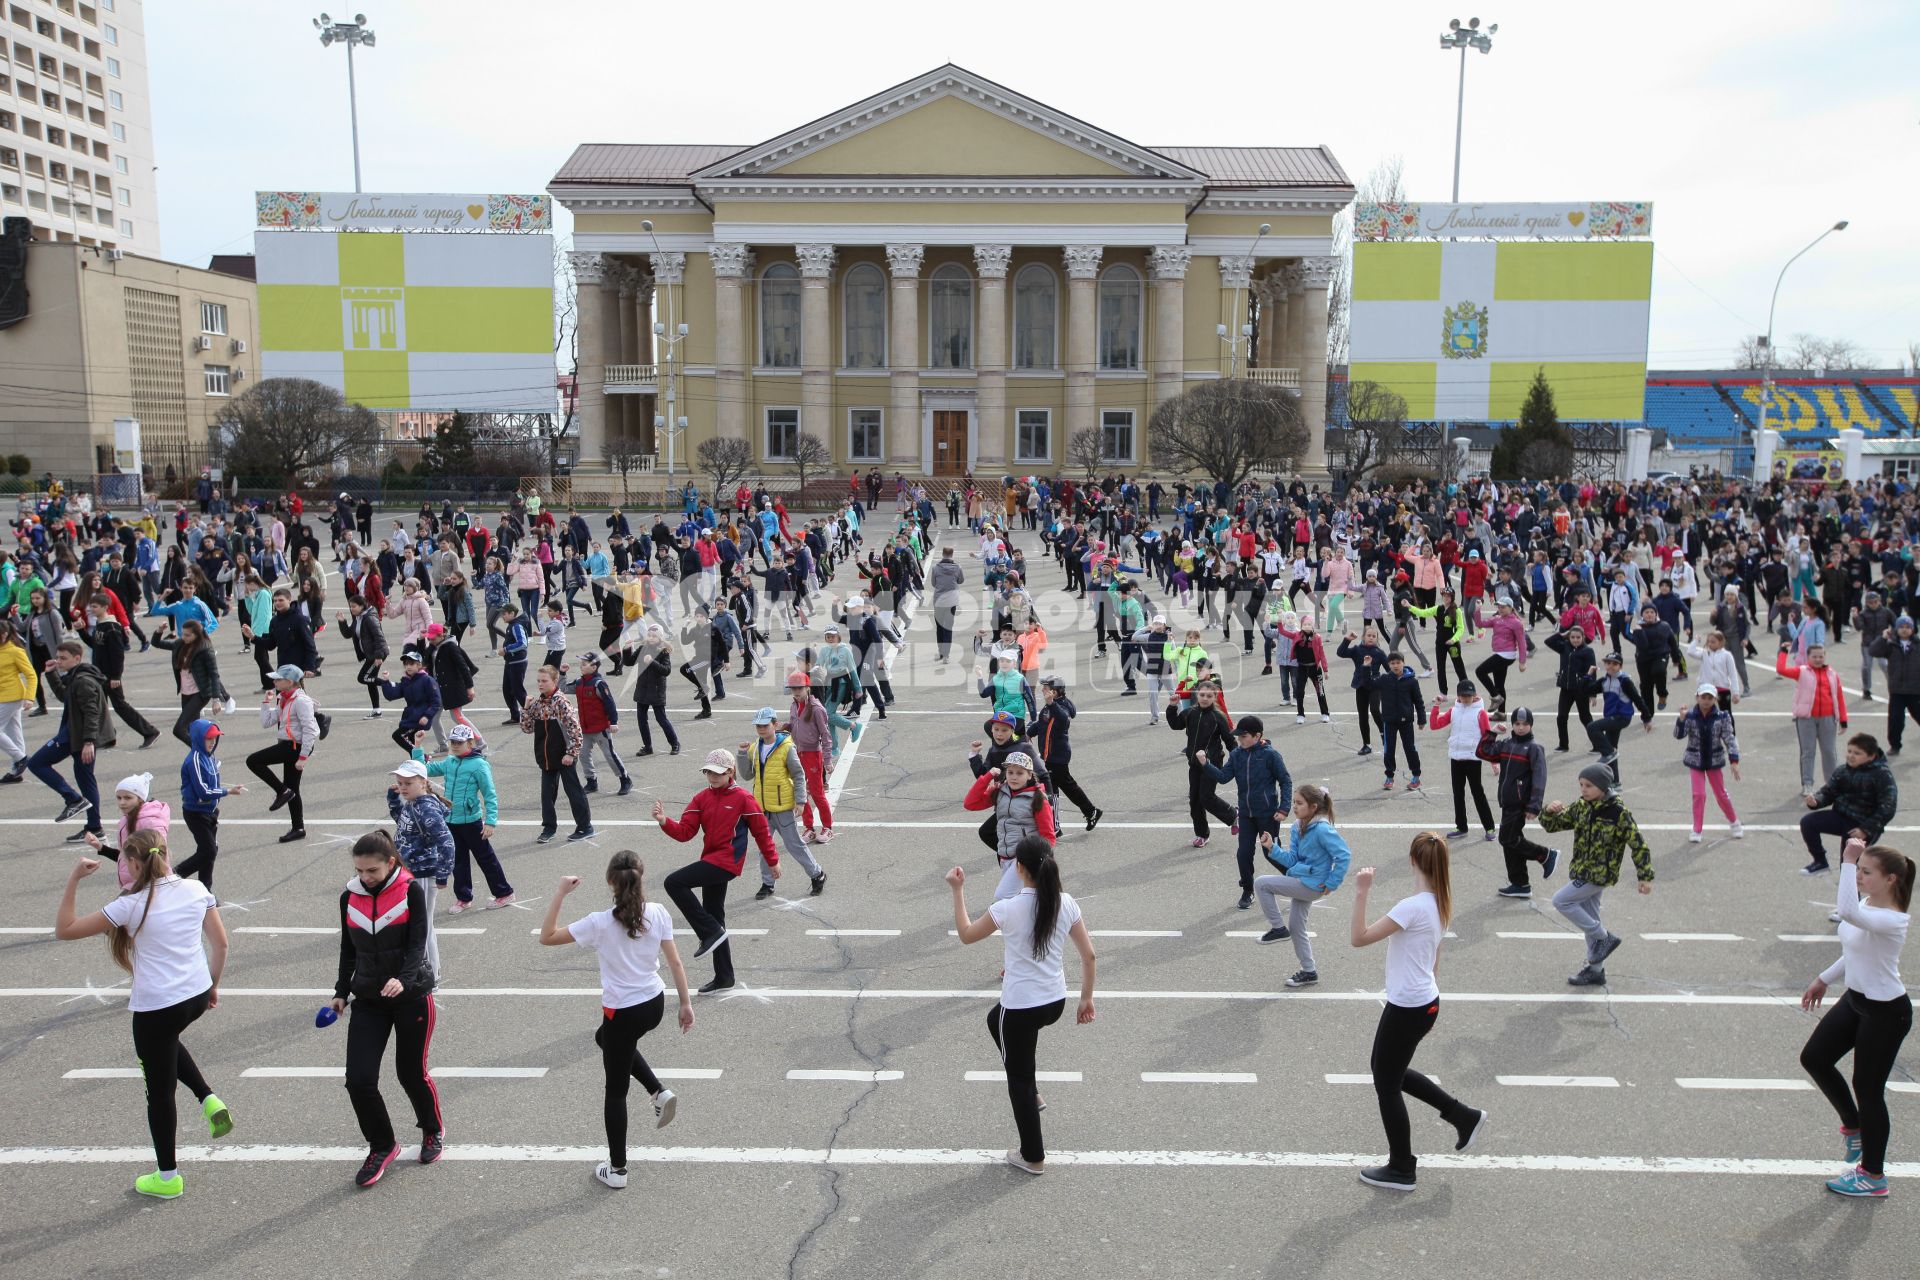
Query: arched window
(780, 317)
(950, 319)
(1036, 312)
(864, 313)
(1119, 323)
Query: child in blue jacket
(473, 810)
(1265, 791)
(200, 796)
(420, 834)
(421, 693)
(1312, 864)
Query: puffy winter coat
(1709, 738)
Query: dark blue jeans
(1250, 829)
(41, 765)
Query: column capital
(1317, 273)
(730, 259)
(990, 260)
(668, 268)
(627, 279)
(1169, 261)
(904, 260)
(1083, 260)
(1236, 271)
(1290, 278)
(816, 260)
(588, 268)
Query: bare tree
(624, 456)
(810, 454)
(727, 459)
(1229, 428)
(1752, 353)
(1913, 355)
(1384, 183)
(284, 426)
(1376, 419)
(1083, 451)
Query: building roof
(638, 164)
(232, 264)
(1262, 166)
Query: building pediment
(949, 123)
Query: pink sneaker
(458, 907)
(825, 836)
(1387, 785)
(1199, 842)
(1413, 784)
(806, 835)
(504, 900)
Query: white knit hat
(138, 784)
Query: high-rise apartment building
(76, 122)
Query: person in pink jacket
(1427, 574)
(1338, 571)
(137, 813)
(529, 582)
(416, 609)
(1508, 636)
(1818, 704)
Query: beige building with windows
(947, 276)
(110, 334)
(76, 126)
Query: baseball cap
(717, 762)
(1001, 717)
(461, 733)
(435, 630)
(410, 769)
(1465, 689)
(1615, 659)
(1158, 620)
(289, 672)
(1250, 725)
(1053, 682)
(591, 656)
(797, 680)
(766, 715)
(1706, 691)
(1019, 758)
(832, 629)
(414, 655)
(854, 602)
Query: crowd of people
(1680, 583)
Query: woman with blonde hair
(155, 930)
(1413, 930)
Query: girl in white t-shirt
(1035, 924)
(1413, 930)
(629, 938)
(155, 929)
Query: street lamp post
(1463, 39)
(1243, 331)
(1766, 377)
(349, 34)
(671, 335)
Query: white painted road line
(837, 780)
(288, 928)
(1261, 933)
(1345, 1162)
(856, 1077)
(33, 929)
(1555, 935)
(1902, 1086)
(1198, 1077)
(1043, 1077)
(1716, 1082)
(450, 1073)
(103, 1073)
(1831, 938)
(1559, 1082)
(853, 933)
(1361, 1077)
(1134, 933)
(687, 1073)
(1692, 937)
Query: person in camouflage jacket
(1604, 832)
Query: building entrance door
(950, 441)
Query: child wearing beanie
(1604, 831)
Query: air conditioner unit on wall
(203, 343)
(114, 255)
(239, 346)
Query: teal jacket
(469, 785)
(1316, 857)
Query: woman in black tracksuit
(369, 645)
(653, 663)
(383, 967)
(1369, 660)
(1207, 729)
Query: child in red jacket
(724, 816)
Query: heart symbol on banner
(475, 210)
(1575, 218)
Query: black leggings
(1367, 707)
(1493, 675)
(1401, 1029)
(1203, 800)
(263, 659)
(1515, 845)
(410, 1023)
(706, 914)
(1872, 1031)
(659, 709)
(282, 753)
(167, 1064)
(190, 708)
(1467, 774)
(206, 847)
(369, 676)
(1569, 702)
(619, 1039)
(1060, 779)
(1016, 1033)
(513, 684)
(1301, 678)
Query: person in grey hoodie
(1898, 648)
(947, 578)
(1874, 620)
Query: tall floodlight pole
(350, 34)
(1766, 377)
(1463, 39)
(671, 335)
(1242, 329)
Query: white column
(732, 263)
(1316, 275)
(1289, 280)
(1168, 266)
(590, 361)
(1083, 348)
(903, 355)
(816, 340)
(990, 439)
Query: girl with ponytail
(155, 931)
(1034, 925)
(1413, 930)
(629, 938)
(1872, 1019)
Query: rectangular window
(119, 133)
(213, 317)
(113, 67)
(116, 100)
(863, 435)
(1116, 435)
(126, 195)
(110, 33)
(783, 434)
(1032, 435)
(218, 378)
(126, 226)
(119, 164)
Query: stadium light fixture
(1463, 38)
(350, 34)
(1766, 377)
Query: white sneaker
(1326, 719)
(615, 1178)
(1015, 1159)
(1426, 675)
(1299, 719)
(1693, 837)
(664, 1106)
(1737, 831)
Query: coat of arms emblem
(1463, 332)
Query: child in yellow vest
(780, 785)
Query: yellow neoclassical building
(946, 276)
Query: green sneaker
(219, 1119)
(152, 1184)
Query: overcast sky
(1750, 125)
